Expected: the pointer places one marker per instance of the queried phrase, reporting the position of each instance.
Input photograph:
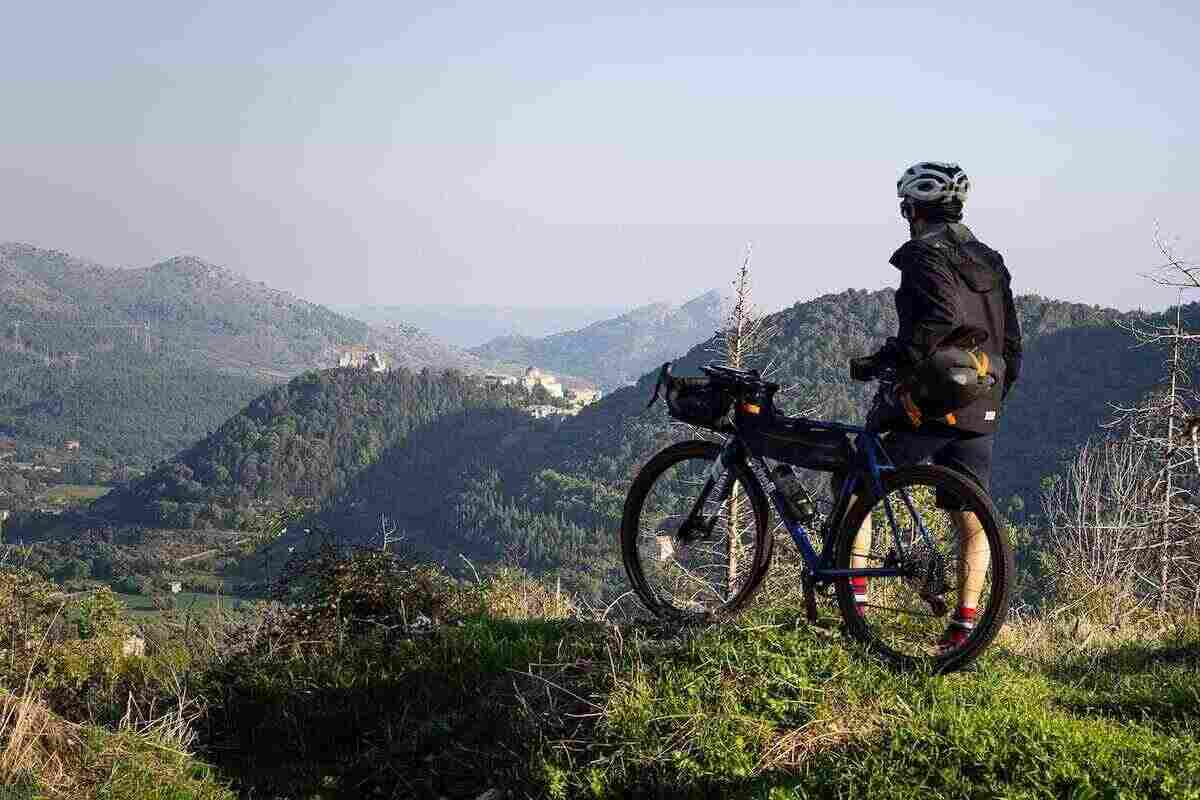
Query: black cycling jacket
(950, 279)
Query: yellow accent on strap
(751, 408)
(910, 408)
(980, 361)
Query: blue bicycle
(903, 547)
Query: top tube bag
(794, 441)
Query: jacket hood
(980, 267)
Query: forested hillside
(300, 442)
(123, 405)
(137, 364)
(616, 351)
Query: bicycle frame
(866, 471)
(871, 463)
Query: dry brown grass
(1079, 627)
(513, 595)
(790, 749)
(36, 743)
(65, 760)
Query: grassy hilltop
(384, 679)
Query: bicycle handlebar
(740, 377)
(870, 368)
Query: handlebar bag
(698, 401)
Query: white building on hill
(535, 377)
(359, 357)
(585, 396)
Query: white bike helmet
(934, 182)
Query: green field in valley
(140, 605)
(69, 493)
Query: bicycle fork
(718, 485)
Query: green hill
(300, 442)
(376, 677)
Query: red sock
(858, 584)
(961, 625)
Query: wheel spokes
(701, 575)
(908, 530)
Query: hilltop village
(551, 397)
(544, 386)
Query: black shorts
(968, 453)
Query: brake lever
(864, 368)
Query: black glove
(865, 368)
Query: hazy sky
(529, 153)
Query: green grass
(761, 708)
(437, 714)
(770, 710)
(340, 698)
(133, 766)
(25, 790)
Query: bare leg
(858, 560)
(862, 545)
(974, 558)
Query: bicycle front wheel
(940, 531)
(695, 577)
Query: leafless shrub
(1166, 561)
(1105, 518)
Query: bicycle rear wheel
(941, 553)
(712, 575)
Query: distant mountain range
(196, 312)
(472, 325)
(137, 363)
(617, 351)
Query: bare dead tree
(1175, 272)
(740, 342)
(746, 331)
(1099, 515)
(743, 342)
(388, 533)
(1164, 421)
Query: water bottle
(796, 498)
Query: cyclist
(949, 281)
